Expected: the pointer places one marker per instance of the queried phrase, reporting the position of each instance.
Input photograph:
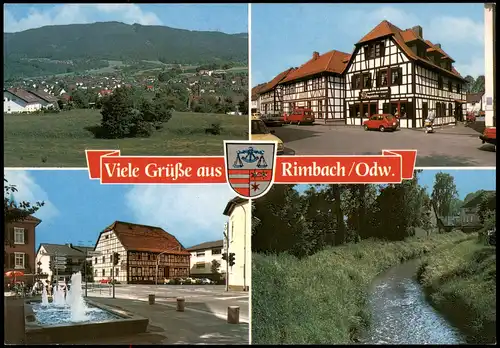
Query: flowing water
(69, 307)
(401, 313)
(45, 297)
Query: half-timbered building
(318, 85)
(398, 72)
(140, 248)
(271, 95)
(255, 106)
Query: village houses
(390, 70)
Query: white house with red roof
(398, 72)
(17, 100)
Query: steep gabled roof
(60, 250)
(257, 89)
(45, 96)
(207, 245)
(277, 79)
(332, 62)
(145, 238)
(402, 37)
(474, 202)
(24, 95)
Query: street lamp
(158, 261)
(85, 266)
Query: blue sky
(285, 35)
(467, 181)
(77, 209)
(228, 18)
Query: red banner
(392, 166)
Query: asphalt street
(449, 146)
(210, 299)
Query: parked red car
(300, 116)
(489, 136)
(382, 122)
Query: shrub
(122, 118)
(217, 128)
(143, 129)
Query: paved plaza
(449, 146)
(204, 320)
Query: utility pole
(226, 251)
(158, 263)
(115, 262)
(85, 270)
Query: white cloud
(461, 37)
(457, 30)
(192, 213)
(78, 13)
(28, 190)
(371, 19)
(474, 67)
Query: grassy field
(60, 140)
(322, 299)
(461, 281)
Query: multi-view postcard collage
(249, 174)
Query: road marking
(230, 297)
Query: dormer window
(374, 50)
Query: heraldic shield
(250, 167)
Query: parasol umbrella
(14, 274)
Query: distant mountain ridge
(119, 41)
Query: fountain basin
(53, 325)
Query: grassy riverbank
(322, 299)
(461, 281)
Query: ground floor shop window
(363, 110)
(399, 109)
(440, 109)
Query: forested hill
(123, 42)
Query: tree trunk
(340, 237)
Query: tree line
(474, 85)
(302, 222)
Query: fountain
(71, 317)
(75, 299)
(58, 296)
(45, 297)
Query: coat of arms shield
(250, 166)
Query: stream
(401, 313)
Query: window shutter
(400, 76)
(27, 262)
(26, 233)
(11, 234)
(389, 77)
(365, 49)
(353, 80)
(382, 48)
(12, 260)
(378, 78)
